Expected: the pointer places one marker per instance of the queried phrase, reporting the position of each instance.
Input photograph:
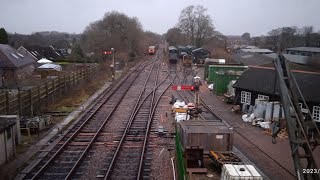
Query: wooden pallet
(268, 131)
(283, 133)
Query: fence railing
(25, 102)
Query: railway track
(127, 162)
(74, 153)
(64, 158)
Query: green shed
(221, 75)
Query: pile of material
(180, 111)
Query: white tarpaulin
(181, 116)
(56, 67)
(44, 61)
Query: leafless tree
(116, 30)
(196, 24)
(307, 32)
(175, 36)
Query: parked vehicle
(187, 60)
(152, 50)
(173, 55)
(182, 50)
(199, 56)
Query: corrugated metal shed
(306, 49)
(221, 75)
(290, 57)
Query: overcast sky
(230, 17)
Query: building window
(245, 97)
(260, 96)
(316, 113)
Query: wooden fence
(26, 102)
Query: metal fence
(26, 102)
(180, 160)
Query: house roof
(306, 49)
(6, 123)
(40, 52)
(290, 57)
(250, 58)
(262, 79)
(255, 50)
(24, 51)
(12, 58)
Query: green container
(221, 75)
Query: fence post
(53, 90)
(47, 94)
(65, 83)
(20, 102)
(31, 103)
(7, 103)
(39, 95)
(59, 85)
(39, 100)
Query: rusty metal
(210, 135)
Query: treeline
(115, 30)
(285, 37)
(46, 38)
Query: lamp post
(112, 49)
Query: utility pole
(112, 49)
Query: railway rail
(61, 162)
(114, 138)
(107, 143)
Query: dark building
(250, 58)
(303, 51)
(14, 66)
(42, 52)
(261, 82)
(199, 55)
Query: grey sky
(231, 17)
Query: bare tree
(196, 24)
(307, 31)
(175, 36)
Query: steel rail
(79, 128)
(135, 109)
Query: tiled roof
(12, 58)
(40, 52)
